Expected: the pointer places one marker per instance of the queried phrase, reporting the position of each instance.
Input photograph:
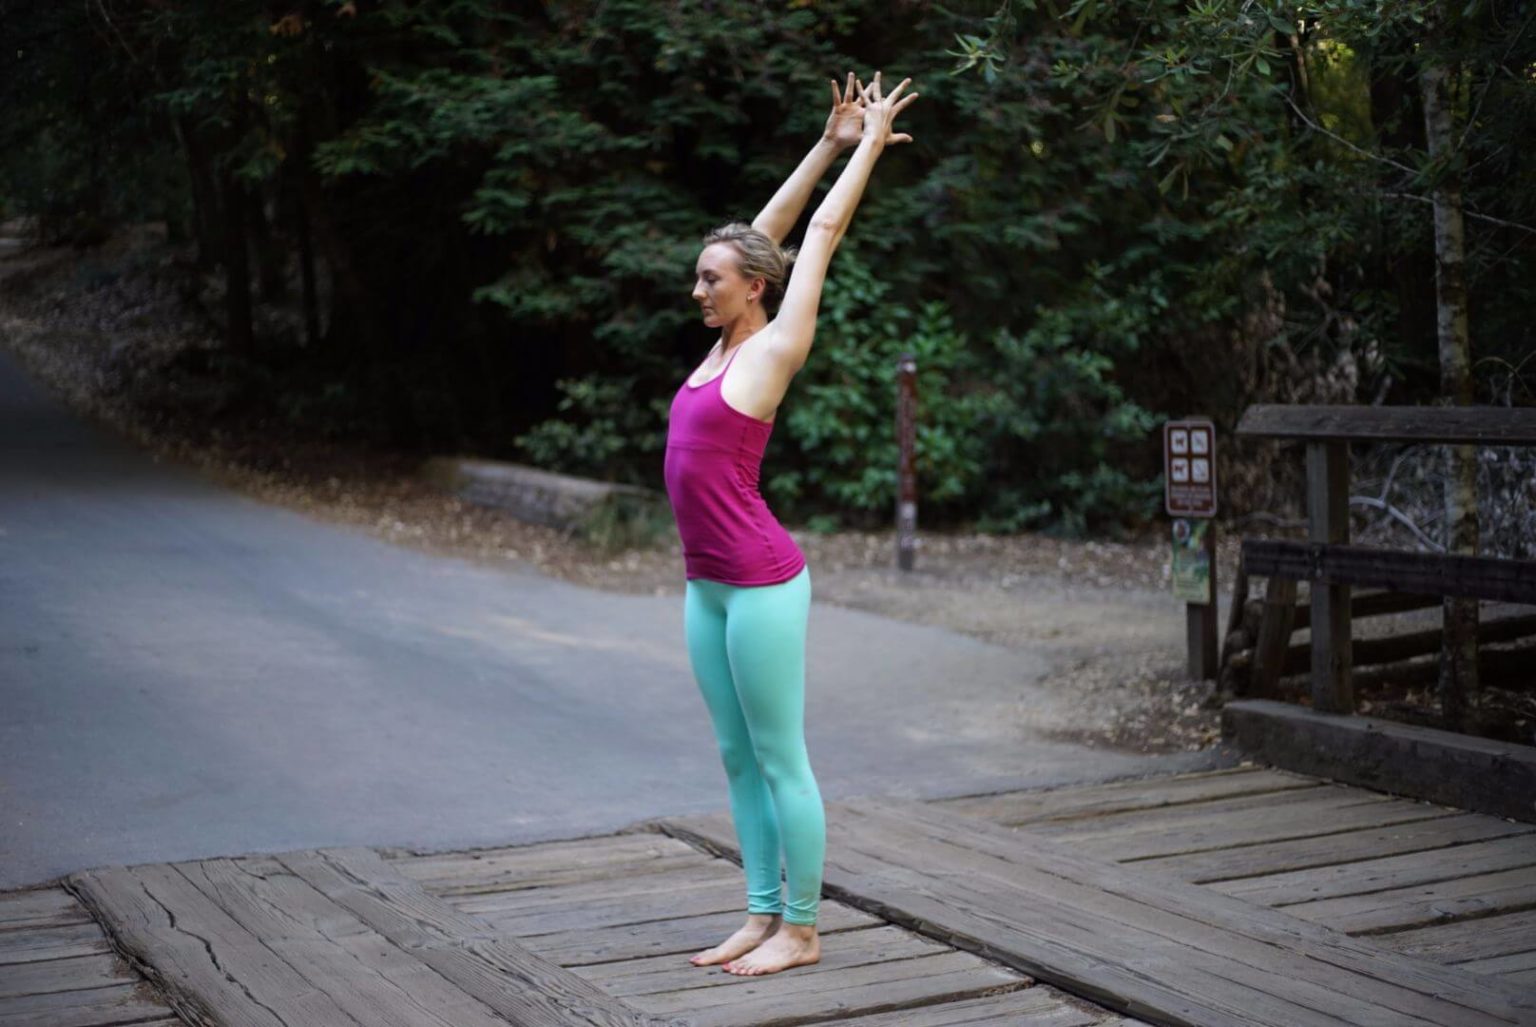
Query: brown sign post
(1189, 496)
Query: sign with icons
(1189, 468)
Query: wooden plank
(497, 970)
(794, 997)
(1469, 939)
(1428, 763)
(706, 874)
(684, 935)
(1518, 963)
(1150, 955)
(1204, 923)
(1377, 875)
(1329, 622)
(1327, 850)
(1470, 577)
(40, 907)
(31, 944)
(1484, 425)
(1421, 905)
(656, 974)
(372, 981)
(1075, 801)
(632, 909)
(1275, 627)
(1395, 648)
(1150, 839)
(1039, 1006)
(75, 973)
(547, 863)
(94, 1007)
(211, 969)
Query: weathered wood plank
(1326, 850)
(373, 981)
(656, 974)
(789, 998)
(211, 969)
(471, 879)
(547, 863)
(1470, 577)
(1517, 963)
(75, 973)
(40, 907)
(1442, 766)
(1422, 905)
(685, 935)
(633, 909)
(1041, 943)
(1161, 964)
(1484, 425)
(1206, 926)
(94, 1007)
(1151, 839)
(30, 944)
(1469, 939)
(1275, 627)
(1377, 875)
(1080, 801)
(1329, 622)
(708, 873)
(1040, 1006)
(497, 970)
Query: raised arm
(844, 128)
(795, 324)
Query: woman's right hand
(880, 111)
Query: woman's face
(721, 291)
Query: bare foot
(791, 945)
(758, 927)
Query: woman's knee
(739, 758)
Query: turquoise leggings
(747, 647)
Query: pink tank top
(714, 455)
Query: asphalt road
(186, 672)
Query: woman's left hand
(845, 125)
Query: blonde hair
(757, 256)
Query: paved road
(185, 672)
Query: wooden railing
(1333, 566)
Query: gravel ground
(101, 328)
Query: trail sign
(1189, 468)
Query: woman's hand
(880, 111)
(845, 125)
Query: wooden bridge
(1244, 896)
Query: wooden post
(1275, 629)
(906, 437)
(1328, 521)
(1200, 621)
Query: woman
(749, 590)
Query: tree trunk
(205, 201)
(1459, 693)
(237, 268)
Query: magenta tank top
(714, 456)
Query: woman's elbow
(824, 224)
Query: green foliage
(838, 434)
(602, 432)
(1114, 211)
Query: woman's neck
(743, 328)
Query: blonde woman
(748, 586)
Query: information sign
(1189, 468)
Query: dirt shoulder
(109, 330)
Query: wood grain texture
(1485, 425)
(96, 1007)
(510, 978)
(1083, 801)
(1148, 947)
